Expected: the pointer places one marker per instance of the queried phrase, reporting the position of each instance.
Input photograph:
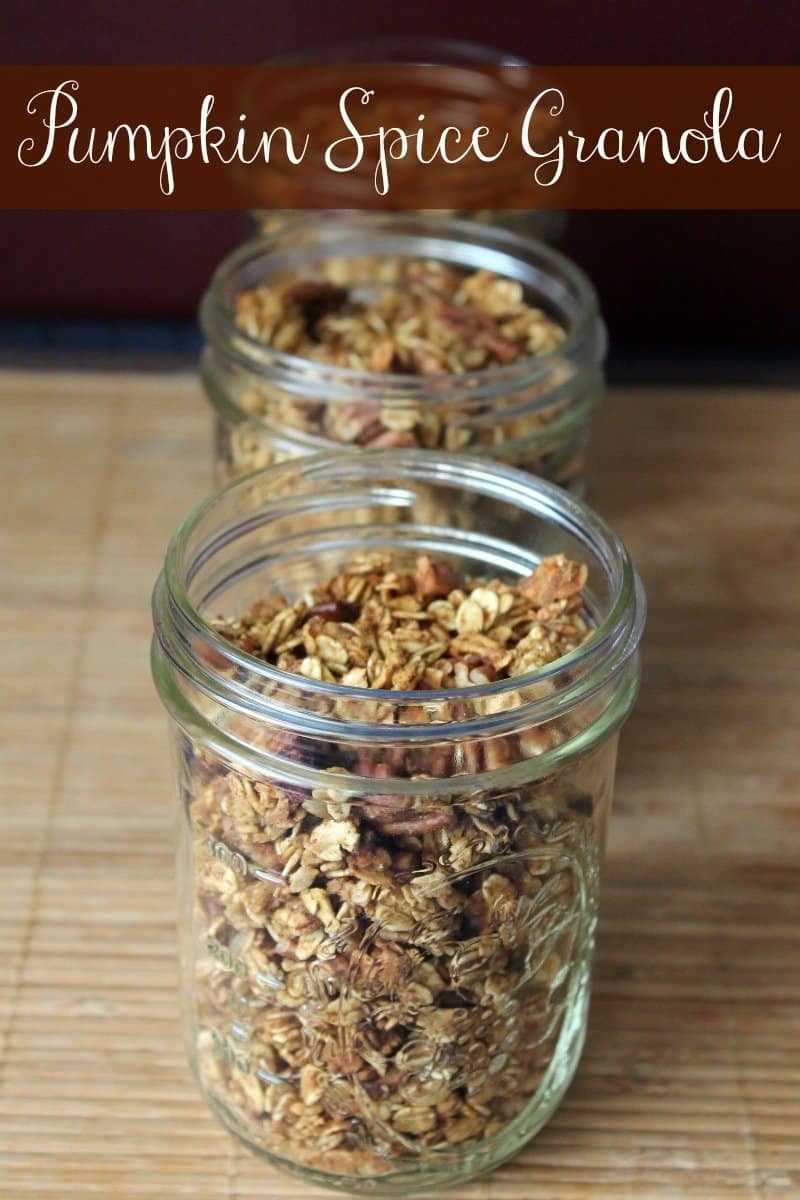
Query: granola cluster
(408, 317)
(400, 317)
(377, 625)
(382, 976)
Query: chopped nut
(433, 579)
(334, 610)
(555, 578)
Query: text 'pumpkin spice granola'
(382, 977)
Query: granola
(401, 318)
(385, 975)
(378, 625)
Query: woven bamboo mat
(690, 1084)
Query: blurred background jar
(270, 405)
(477, 98)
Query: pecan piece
(555, 578)
(433, 578)
(503, 349)
(335, 610)
(427, 363)
(385, 808)
(391, 439)
(371, 429)
(464, 320)
(415, 824)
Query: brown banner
(400, 136)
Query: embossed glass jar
(270, 406)
(388, 898)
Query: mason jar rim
(188, 641)
(585, 342)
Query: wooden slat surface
(690, 1084)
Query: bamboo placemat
(690, 1083)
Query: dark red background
(670, 281)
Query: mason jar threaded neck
(549, 278)
(285, 522)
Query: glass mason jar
(388, 898)
(270, 406)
